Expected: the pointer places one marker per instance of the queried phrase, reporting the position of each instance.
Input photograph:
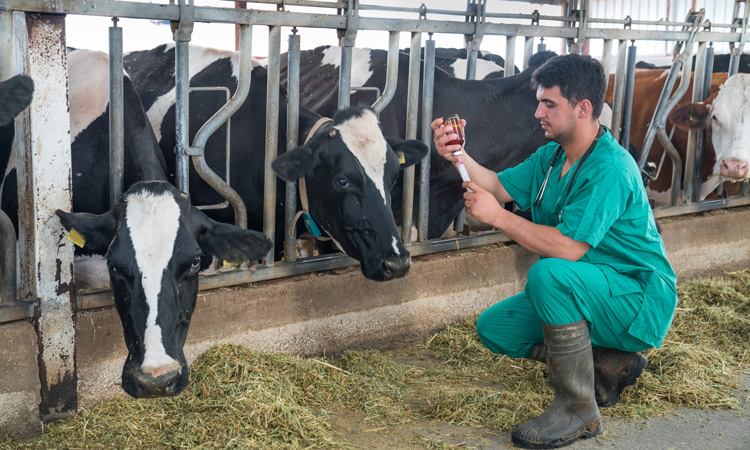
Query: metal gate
(45, 291)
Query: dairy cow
(348, 165)
(647, 88)
(725, 116)
(154, 241)
(501, 129)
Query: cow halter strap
(310, 224)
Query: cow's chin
(386, 268)
(139, 385)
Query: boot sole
(561, 442)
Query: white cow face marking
(730, 128)
(152, 221)
(364, 139)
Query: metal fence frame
(42, 290)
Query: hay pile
(245, 399)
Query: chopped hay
(240, 398)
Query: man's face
(556, 113)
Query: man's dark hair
(578, 76)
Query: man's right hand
(442, 135)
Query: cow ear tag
(310, 225)
(401, 157)
(227, 263)
(76, 238)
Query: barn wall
(312, 313)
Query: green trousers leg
(560, 292)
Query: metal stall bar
(682, 50)
(116, 115)
(708, 70)
(695, 137)
(619, 90)
(412, 112)
(627, 107)
(272, 137)
(44, 185)
(528, 50)
(347, 37)
(183, 30)
(292, 135)
(607, 58)
(196, 151)
(391, 74)
(428, 86)
(736, 51)
(510, 56)
(7, 230)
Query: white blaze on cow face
(730, 128)
(363, 137)
(152, 222)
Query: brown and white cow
(647, 88)
(725, 116)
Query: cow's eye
(196, 263)
(342, 182)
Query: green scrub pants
(560, 292)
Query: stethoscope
(540, 193)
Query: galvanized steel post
(182, 36)
(392, 74)
(695, 137)
(412, 110)
(510, 56)
(627, 107)
(116, 114)
(428, 86)
(346, 42)
(272, 138)
(619, 89)
(292, 135)
(44, 182)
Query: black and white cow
(154, 241)
(348, 165)
(501, 129)
(454, 62)
(15, 95)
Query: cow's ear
(228, 242)
(694, 116)
(89, 231)
(408, 152)
(294, 164)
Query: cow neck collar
(310, 224)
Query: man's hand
(482, 205)
(441, 135)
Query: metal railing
(347, 18)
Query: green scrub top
(608, 208)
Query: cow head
(155, 243)
(350, 168)
(726, 117)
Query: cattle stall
(32, 41)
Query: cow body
(153, 240)
(350, 168)
(647, 88)
(501, 130)
(721, 64)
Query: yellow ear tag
(401, 157)
(76, 238)
(227, 263)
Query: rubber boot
(614, 370)
(573, 413)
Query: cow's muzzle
(734, 168)
(145, 385)
(396, 266)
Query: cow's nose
(396, 266)
(734, 168)
(164, 385)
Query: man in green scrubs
(603, 279)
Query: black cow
(15, 95)
(721, 64)
(349, 167)
(154, 241)
(501, 130)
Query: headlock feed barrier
(32, 41)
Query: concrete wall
(311, 313)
